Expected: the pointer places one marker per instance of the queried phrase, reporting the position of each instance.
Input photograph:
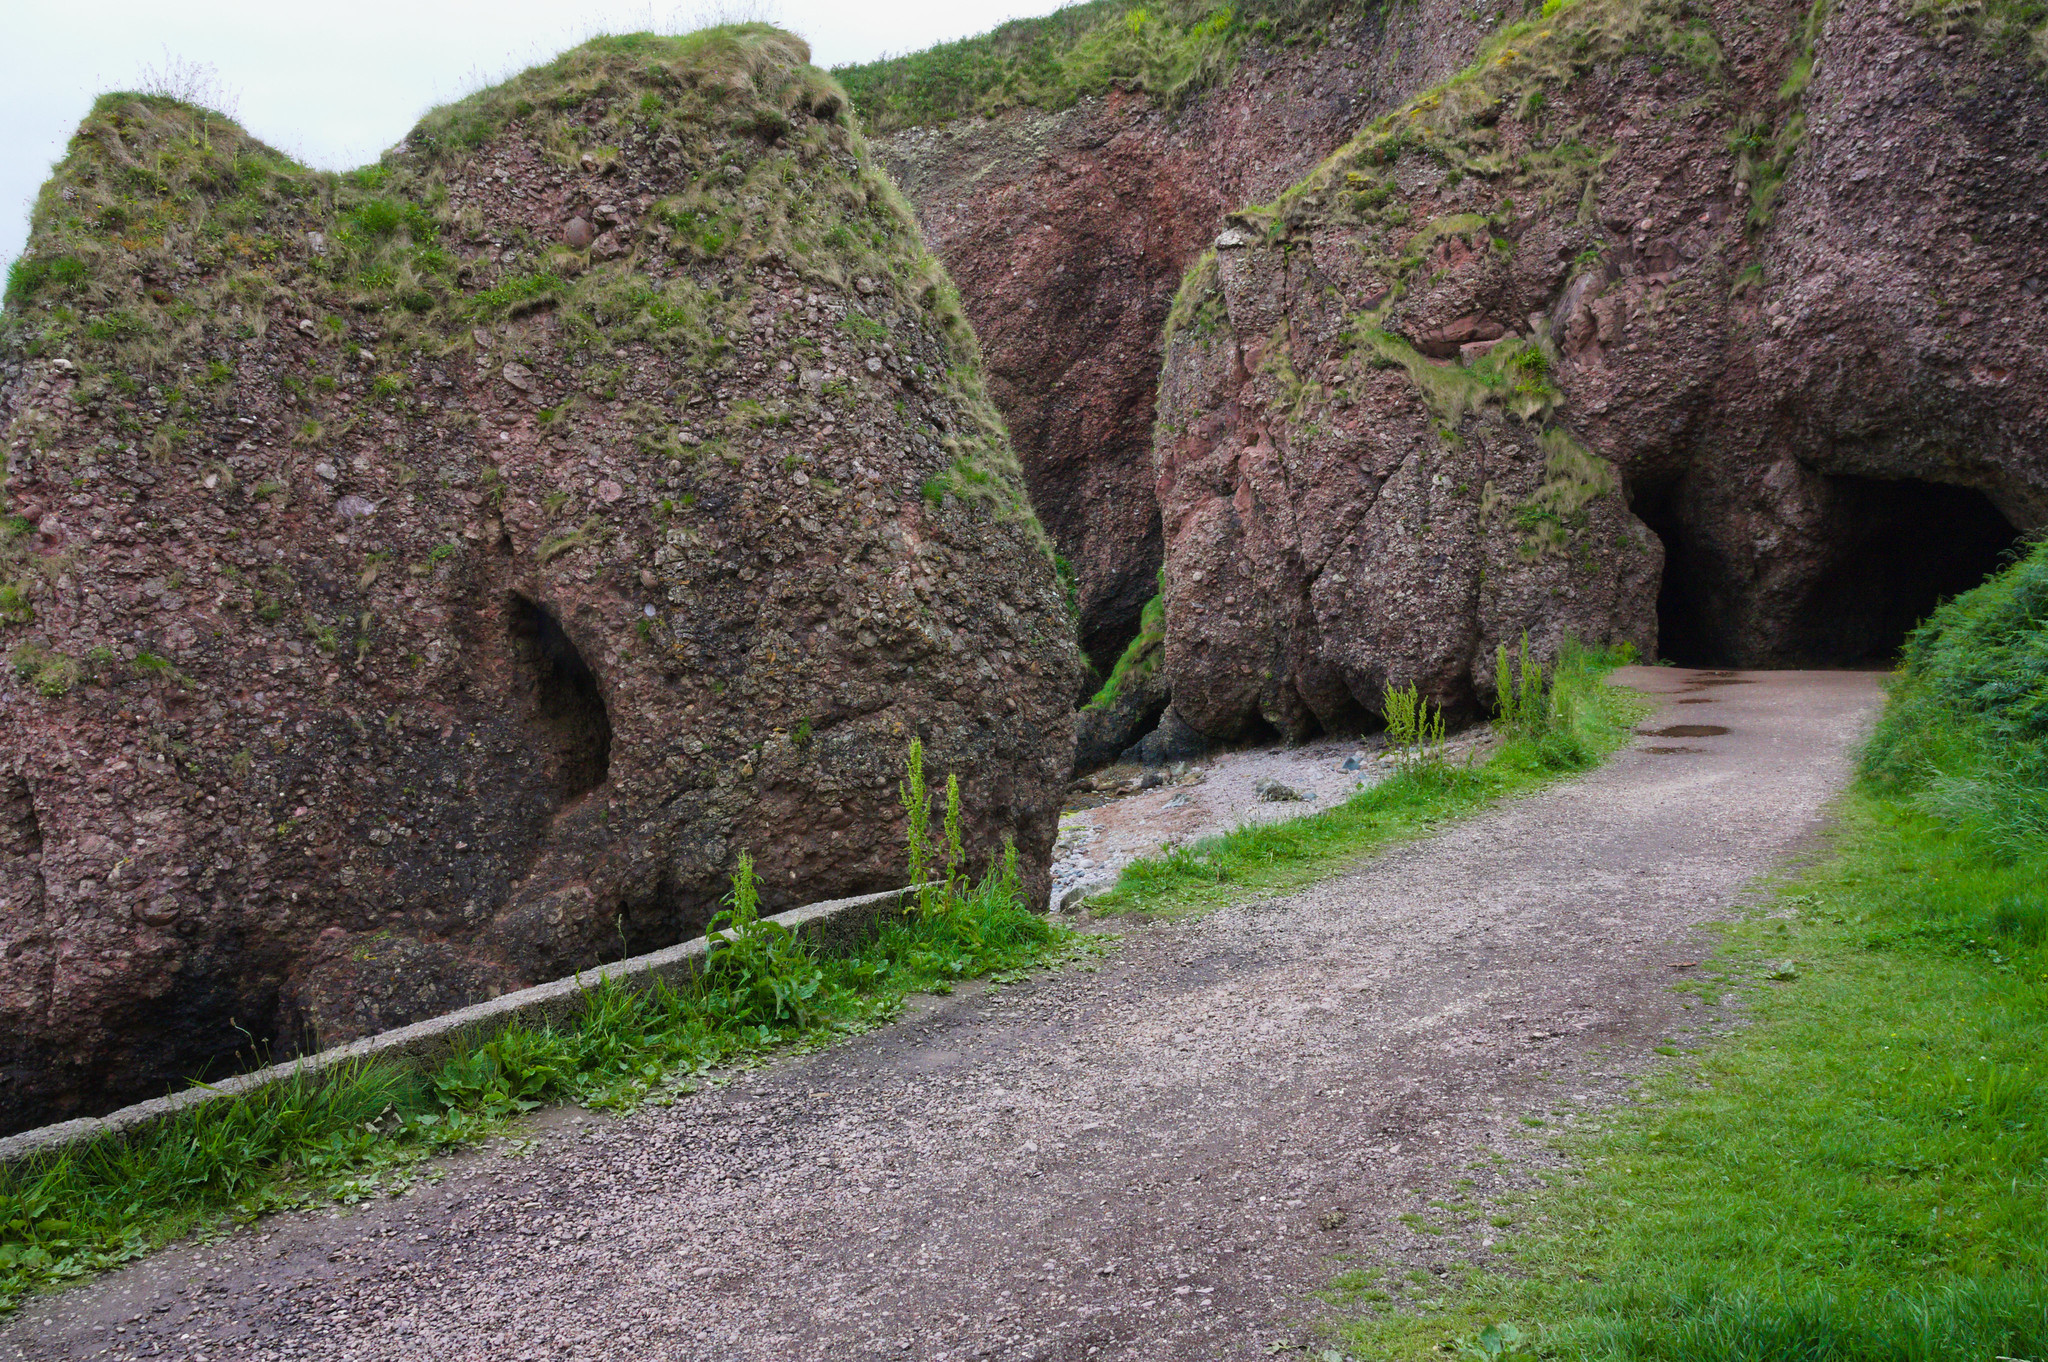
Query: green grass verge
(1583, 720)
(1168, 49)
(349, 1136)
(1861, 1173)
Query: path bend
(1159, 1160)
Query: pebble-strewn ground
(1203, 798)
(1159, 1160)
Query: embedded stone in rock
(578, 234)
(277, 781)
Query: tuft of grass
(1585, 719)
(1860, 1174)
(1141, 656)
(351, 1135)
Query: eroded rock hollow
(426, 581)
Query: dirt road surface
(1163, 1159)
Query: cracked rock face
(1068, 231)
(1606, 339)
(425, 582)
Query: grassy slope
(1583, 720)
(1168, 49)
(167, 232)
(1140, 657)
(1861, 1173)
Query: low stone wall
(834, 924)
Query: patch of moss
(1764, 148)
(48, 672)
(1141, 656)
(1550, 517)
(1198, 303)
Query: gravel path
(1159, 1160)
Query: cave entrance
(1685, 636)
(1906, 547)
(568, 706)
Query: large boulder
(1068, 221)
(425, 581)
(1619, 335)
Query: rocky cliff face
(425, 581)
(1068, 232)
(1620, 334)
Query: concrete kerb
(835, 924)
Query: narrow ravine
(1162, 1159)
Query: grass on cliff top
(1140, 657)
(350, 1136)
(1568, 724)
(168, 241)
(1860, 1173)
(1168, 49)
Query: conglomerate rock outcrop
(1068, 231)
(1713, 329)
(426, 581)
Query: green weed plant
(1415, 732)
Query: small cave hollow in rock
(568, 704)
(1909, 546)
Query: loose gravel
(1161, 1158)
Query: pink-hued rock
(1775, 437)
(374, 650)
(1067, 233)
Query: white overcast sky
(334, 84)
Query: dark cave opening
(1898, 548)
(1685, 636)
(1907, 547)
(568, 704)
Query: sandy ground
(1162, 1159)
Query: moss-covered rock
(426, 580)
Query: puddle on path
(1685, 731)
(1667, 751)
